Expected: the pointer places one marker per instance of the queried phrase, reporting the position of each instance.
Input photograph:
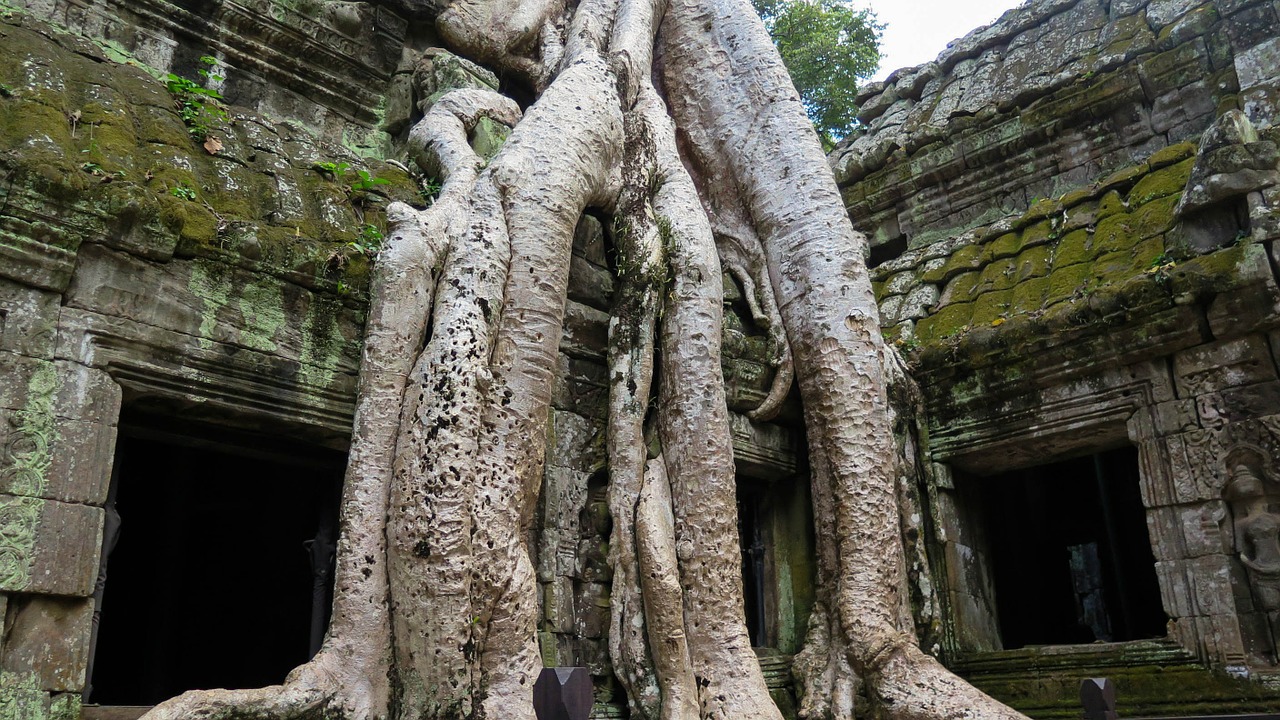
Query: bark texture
(676, 119)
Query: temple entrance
(775, 534)
(752, 541)
(222, 573)
(1071, 557)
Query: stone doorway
(1071, 559)
(213, 581)
(775, 534)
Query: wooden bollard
(1098, 695)
(563, 693)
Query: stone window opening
(1069, 553)
(886, 251)
(221, 575)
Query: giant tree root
(436, 596)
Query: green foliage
(332, 169)
(365, 182)
(199, 107)
(370, 241)
(359, 188)
(183, 192)
(827, 45)
(429, 188)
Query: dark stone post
(563, 693)
(1098, 695)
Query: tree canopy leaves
(827, 45)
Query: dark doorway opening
(212, 583)
(1071, 557)
(752, 544)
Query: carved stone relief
(1254, 497)
(23, 472)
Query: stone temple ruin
(1072, 213)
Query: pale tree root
(348, 678)
(742, 256)
(746, 129)
(693, 424)
(679, 637)
(641, 274)
(468, 466)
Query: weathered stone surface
(222, 375)
(28, 320)
(212, 302)
(49, 638)
(1215, 366)
(1103, 278)
(586, 332)
(764, 450)
(48, 546)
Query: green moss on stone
(100, 147)
(1215, 272)
(1033, 262)
(21, 697)
(1171, 154)
(191, 221)
(488, 137)
(947, 322)
(1075, 197)
(209, 282)
(1155, 217)
(1066, 282)
(961, 287)
(1041, 209)
(991, 306)
(1161, 183)
(1038, 234)
(65, 707)
(1006, 245)
(322, 343)
(1029, 295)
(1112, 266)
(262, 307)
(1111, 204)
(966, 257)
(1074, 248)
(1123, 178)
(1122, 231)
(998, 275)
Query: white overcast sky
(917, 30)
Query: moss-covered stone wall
(1073, 220)
(1048, 99)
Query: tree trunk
(678, 120)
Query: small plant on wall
(199, 107)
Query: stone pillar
(57, 439)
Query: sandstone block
(1174, 592)
(28, 319)
(47, 546)
(48, 637)
(1220, 365)
(1206, 529)
(1210, 579)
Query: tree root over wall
(677, 119)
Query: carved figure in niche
(1255, 510)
